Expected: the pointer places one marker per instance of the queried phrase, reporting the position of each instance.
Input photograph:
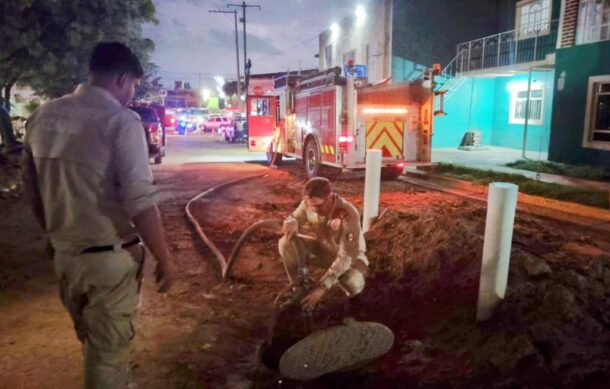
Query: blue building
(499, 77)
(532, 77)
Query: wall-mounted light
(521, 85)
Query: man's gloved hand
(290, 227)
(311, 301)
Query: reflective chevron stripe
(385, 136)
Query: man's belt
(100, 249)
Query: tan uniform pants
(352, 281)
(101, 291)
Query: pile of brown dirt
(551, 328)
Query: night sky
(193, 44)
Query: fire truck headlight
(346, 139)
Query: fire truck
(328, 120)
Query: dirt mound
(551, 328)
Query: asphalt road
(185, 149)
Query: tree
(47, 43)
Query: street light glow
(219, 80)
(360, 15)
(334, 30)
(205, 93)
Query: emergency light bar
(373, 111)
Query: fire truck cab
(327, 120)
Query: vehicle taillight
(154, 127)
(172, 120)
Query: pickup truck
(154, 130)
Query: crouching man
(338, 245)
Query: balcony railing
(504, 49)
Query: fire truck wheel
(312, 159)
(278, 157)
(390, 173)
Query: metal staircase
(531, 44)
(450, 79)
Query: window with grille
(597, 120)
(533, 18)
(519, 107)
(593, 21)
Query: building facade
(362, 38)
(501, 85)
(580, 130)
(528, 75)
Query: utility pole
(234, 12)
(243, 6)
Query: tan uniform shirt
(347, 243)
(91, 161)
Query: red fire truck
(325, 119)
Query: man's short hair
(318, 187)
(115, 58)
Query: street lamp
(334, 31)
(360, 15)
(205, 94)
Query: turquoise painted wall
(578, 63)
(474, 98)
(490, 114)
(505, 134)
(483, 104)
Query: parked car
(170, 121)
(218, 124)
(154, 130)
(191, 120)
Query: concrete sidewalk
(495, 159)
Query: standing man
(338, 246)
(86, 171)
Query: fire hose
(226, 264)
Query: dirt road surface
(425, 262)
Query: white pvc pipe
(501, 207)
(372, 184)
